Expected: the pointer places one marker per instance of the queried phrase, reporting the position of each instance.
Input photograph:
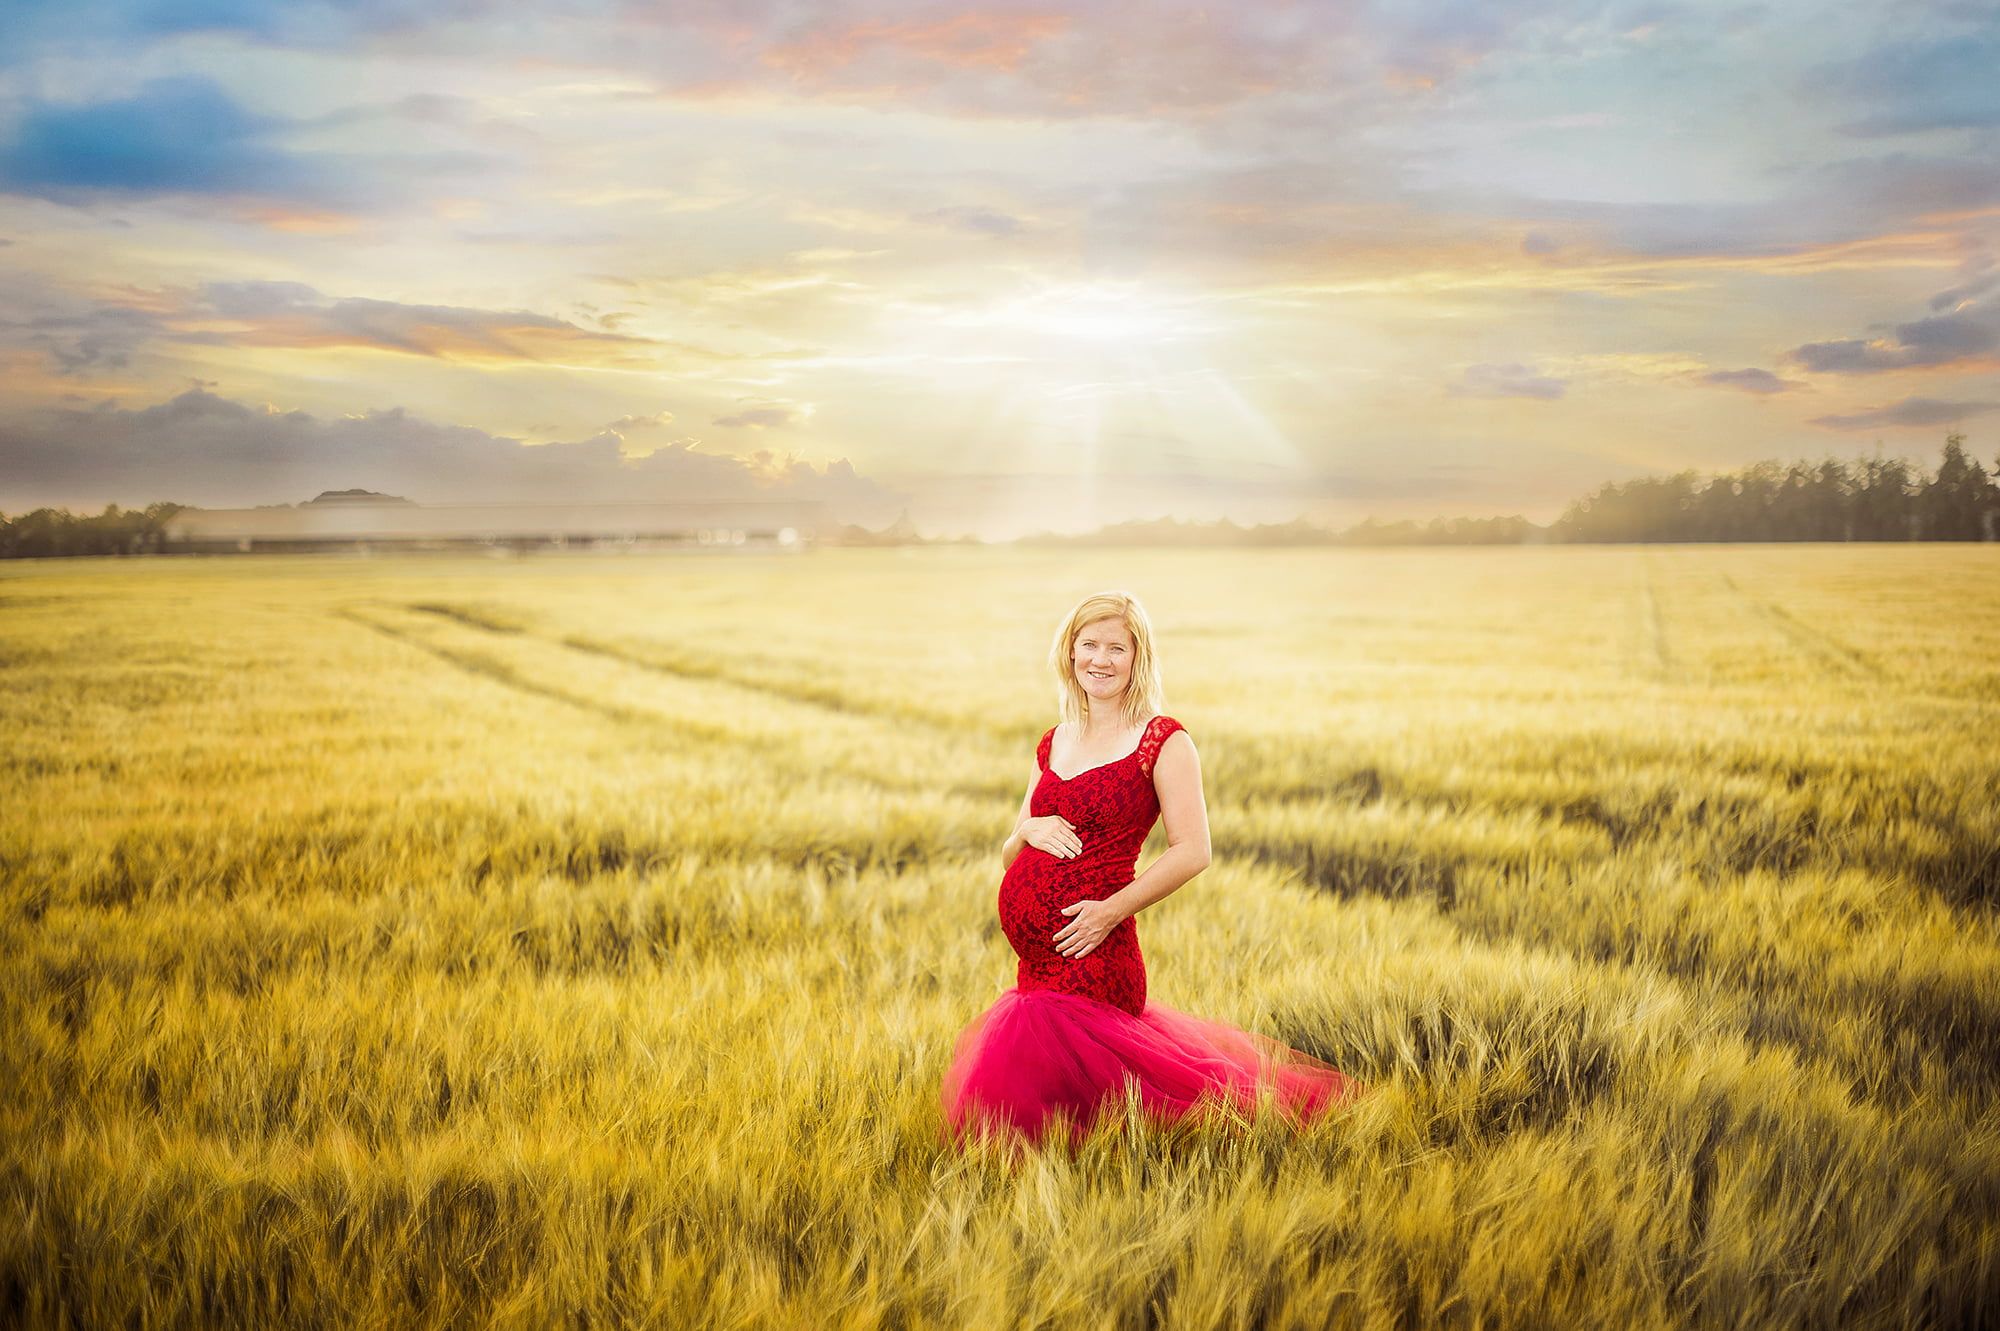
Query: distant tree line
(115, 531)
(1443, 531)
(1874, 499)
(1869, 499)
(1177, 531)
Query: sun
(1099, 381)
(1097, 312)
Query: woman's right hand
(1052, 833)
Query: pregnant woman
(1077, 1026)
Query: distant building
(360, 520)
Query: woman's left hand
(1094, 919)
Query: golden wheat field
(579, 941)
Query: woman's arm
(1177, 779)
(1014, 839)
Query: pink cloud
(962, 41)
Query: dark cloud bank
(204, 449)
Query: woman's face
(1102, 659)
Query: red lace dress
(1075, 1030)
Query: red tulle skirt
(1037, 1051)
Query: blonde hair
(1144, 697)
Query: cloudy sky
(1008, 266)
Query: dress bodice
(1112, 806)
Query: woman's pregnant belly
(1033, 892)
(1036, 887)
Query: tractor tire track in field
(1814, 642)
(1656, 626)
(669, 664)
(499, 672)
(803, 694)
(465, 615)
(681, 665)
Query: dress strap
(1157, 731)
(1042, 749)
